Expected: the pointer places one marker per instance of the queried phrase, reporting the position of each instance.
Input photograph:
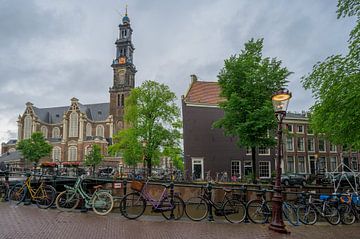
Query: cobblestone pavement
(30, 222)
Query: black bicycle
(233, 209)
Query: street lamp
(280, 102)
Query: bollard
(209, 195)
(7, 187)
(125, 183)
(172, 216)
(244, 189)
(54, 185)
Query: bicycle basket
(345, 199)
(137, 185)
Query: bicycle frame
(27, 186)
(78, 189)
(155, 202)
(319, 206)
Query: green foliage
(335, 85)
(34, 148)
(247, 83)
(154, 123)
(175, 154)
(94, 158)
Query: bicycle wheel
(332, 214)
(102, 203)
(307, 215)
(132, 205)
(17, 194)
(45, 196)
(67, 200)
(257, 211)
(290, 214)
(176, 208)
(346, 214)
(196, 208)
(234, 211)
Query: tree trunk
(148, 160)
(253, 159)
(93, 169)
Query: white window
(27, 126)
(72, 153)
(300, 144)
(264, 151)
(289, 144)
(248, 151)
(247, 168)
(44, 131)
(301, 164)
(332, 147)
(88, 129)
(310, 144)
(290, 164)
(197, 167)
(322, 146)
(56, 154)
(87, 149)
(300, 129)
(264, 169)
(100, 130)
(74, 121)
(235, 168)
(56, 133)
(333, 163)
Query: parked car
(106, 172)
(293, 179)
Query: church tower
(124, 73)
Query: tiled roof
(53, 115)
(10, 156)
(203, 92)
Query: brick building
(207, 149)
(73, 129)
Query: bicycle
(100, 201)
(325, 207)
(43, 195)
(260, 210)
(197, 208)
(133, 204)
(221, 177)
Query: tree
(34, 148)
(94, 158)
(247, 82)
(153, 121)
(175, 155)
(335, 85)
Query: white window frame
(287, 164)
(292, 144)
(27, 126)
(73, 125)
(72, 153)
(246, 166)
(269, 171)
(332, 158)
(55, 133)
(44, 131)
(239, 170)
(56, 153)
(333, 146)
(100, 130)
(324, 145)
(267, 151)
(304, 163)
(313, 144)
(291, 126)
(88, 129)
(298, 127)
(303, 144)
(248, 151)
(198, 161)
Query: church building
(73, 129)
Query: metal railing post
(209, 194)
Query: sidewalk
(20, 222)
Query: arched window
(118, 100)
(27, 127)
(87, 149)
(88, 129)
(56, 154)
(100, 130)
(44, 131)
(122, 100)
(72, 153)
(73, 128)
(56, 133)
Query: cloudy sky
(51, 51)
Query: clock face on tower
(122, 60)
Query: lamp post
(280, 102)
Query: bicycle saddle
(97, 186)
(166, 185)
(228, 190)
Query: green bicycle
(100, 201)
